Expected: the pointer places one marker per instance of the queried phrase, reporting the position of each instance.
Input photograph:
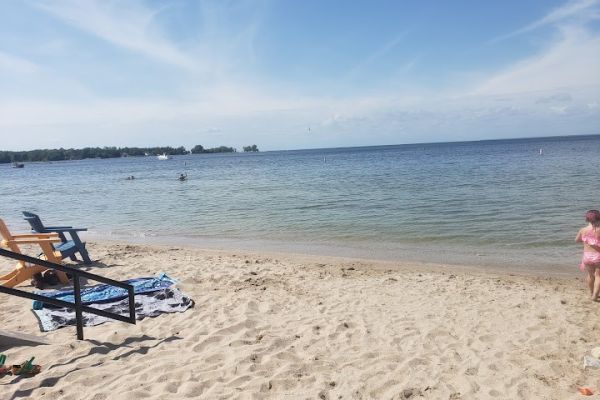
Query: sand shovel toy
(27, 368)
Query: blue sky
(77, 73)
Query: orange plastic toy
(585, 391)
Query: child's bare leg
(590, 278)
(596, 283)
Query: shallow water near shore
(513, 203)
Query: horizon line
(336, 147)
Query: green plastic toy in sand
(3, 368)
(27, 368)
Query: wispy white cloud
(573, 61)
(555, 98)
(129, 25)
(382, 51)
(569, 62)
(573, 11)
(17, 65)
(236, 114)
(559, 109)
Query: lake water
(497, 203)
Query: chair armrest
(36, 235)
(33, 241)
(64, 229)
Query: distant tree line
(106, 152)
(87, 152)
(199, 149)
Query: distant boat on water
(18, 165)
(163, 156)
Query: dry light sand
(297, 327)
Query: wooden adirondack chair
(67, 248)
(24, 272)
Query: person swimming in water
(590, 262)
(183, 177)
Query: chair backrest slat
(35, 221)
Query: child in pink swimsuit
(590, 237)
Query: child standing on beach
(590, 236)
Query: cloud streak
(574, 11)
(571, 62)
(129, 25)
(376, 55)
(17, 65)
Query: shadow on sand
(99, 348)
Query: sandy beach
(282, 326)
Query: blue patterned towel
(107, 293)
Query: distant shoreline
(185, 152)
(51, 155)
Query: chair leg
(84, 254)
(53, 258)
(23, 275)
(9, 276)
(81, 248)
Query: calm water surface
(498, 203)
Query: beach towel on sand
(102, 293)
(151, 304)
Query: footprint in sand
(199, 348)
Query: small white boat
(163, 156)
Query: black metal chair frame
(79, 308)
